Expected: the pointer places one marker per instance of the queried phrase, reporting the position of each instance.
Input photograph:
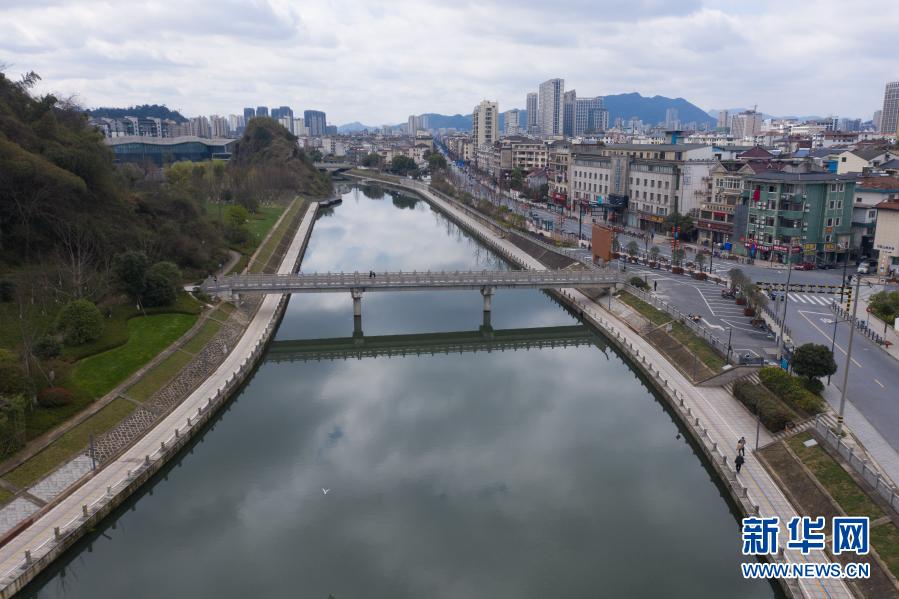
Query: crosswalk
(812, 299)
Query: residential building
(248, 115)
(869, 192)
(299, 127)
(886, 237)
(218, 126)
(746, 124)
(513, 123)
(723, 216)
(521, 152)
(863, 159)
(878, 114)
(723, 125)
(533, 125)
(569, 99)
(551, 107)
(671, 120)
(262, 111)
(889, 118)
(199, 127)
(315, 122)
(590, 116)
(413, 125)
(807, 214)
(485, 123)
(558, 160)
(235, 123)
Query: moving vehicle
(866, 267)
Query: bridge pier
(357, 302)
(487, 292)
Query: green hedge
(790, 389)
(772, 413)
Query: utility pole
(783, 322)
(858, 283)
(836, 321)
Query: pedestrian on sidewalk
(741, 446)
(739, 462)
(655, 285)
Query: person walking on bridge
(738, 463)
(741, 446)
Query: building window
(829, 222)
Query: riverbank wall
(27, 555)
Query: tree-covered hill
(142, 111)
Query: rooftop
(888, 205)
(782, 177)
(879, 183)
(166, 141)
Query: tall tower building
(513, 122)
(889, 118)
(413, 125)
(671, 120)
(262, 111)
(315, 122)
(485, 123)
(533, 126)
(551, 107)
(569, 99)
(248, 115)
(722, 120)
(876, 120)
(589, 115)
(746, 124)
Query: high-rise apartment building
(199, 126)
(569, 99)
(746, 124)
(219, 126)
(414, 124)
(589, 115)
(248, 115)
(262, 111)
(876, 120)
(533, 126)
(722, 124)
(671, 120)
(315, 121)
(513, 122)
(889, 119)
(551, 107)
(485, 123)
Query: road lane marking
(826, 336)
(879, 383)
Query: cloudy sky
(379, 61)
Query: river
(539, 472)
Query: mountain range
(650, 110)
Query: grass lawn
(69, 444)
(885, 539)
(148, 335)
(158, 376)
(206, 332)
(705, 352)
(259, 225)
(5, 496)
(837, 481)
(269, 247)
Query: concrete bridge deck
(330, 282)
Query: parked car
(866, 267)
(806, 266)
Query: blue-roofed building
(164, 150)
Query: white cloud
(378, 61)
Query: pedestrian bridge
(484, 339)
(485, 281)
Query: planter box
(741, 301)
(616, 255)
(677, 270)
(748, 312)
(653, 264)
(700, 276)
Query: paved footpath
(68, 514)
(726, 419)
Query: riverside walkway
(52, 531)
(723, 418)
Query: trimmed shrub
(80, 322)
(54, 397)
(161, 284)
(790, 389)
(772, 413)
(639, 283)
(47, 347)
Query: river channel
(514, 473)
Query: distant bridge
(485, 281)
(484, 339)
(334, 166)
